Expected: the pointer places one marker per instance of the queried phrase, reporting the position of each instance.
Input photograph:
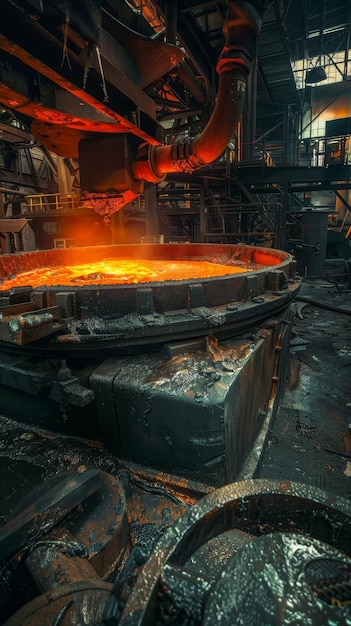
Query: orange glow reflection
(120, 271)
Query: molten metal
(121, 271)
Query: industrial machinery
(175, 363)
(178, 380)
(138, 382)
(256, 551)
(84, 89)
(85, 355)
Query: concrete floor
(310, 440)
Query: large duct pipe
(241, 31)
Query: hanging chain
(103, 84)
(64, 49)
(87, 66)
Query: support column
(117, 224)
(202, 233)
(2, 207)
(171, 21)
(281, 239)
(151, 214)
(286, 135)
(249, 116)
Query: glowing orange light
(121, 271)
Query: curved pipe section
(241, 31)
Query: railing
(248, 223)
(52, 202)
(307, 152)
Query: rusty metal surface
(26, 327)
(73, 531)
(100, 530)
(90, 545)
(55, 560)
(231, 535)
(81, 603)
(273, 586)
(241, 29)
(197, 414)
(188, 529)
(96, 529)
(258, 507)
(47, 510)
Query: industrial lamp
(315, 75)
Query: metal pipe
(241, 31)
(13, 192)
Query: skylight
(336, 67)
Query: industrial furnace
(172, 354)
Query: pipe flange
(144, 168)
(232, 57)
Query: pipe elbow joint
(241, 31)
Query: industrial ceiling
(291, 31)
(148, 69)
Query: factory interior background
(175, 301)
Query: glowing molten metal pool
(121, 271)
(131, 296)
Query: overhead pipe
(241, 30)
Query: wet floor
(310, 439)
